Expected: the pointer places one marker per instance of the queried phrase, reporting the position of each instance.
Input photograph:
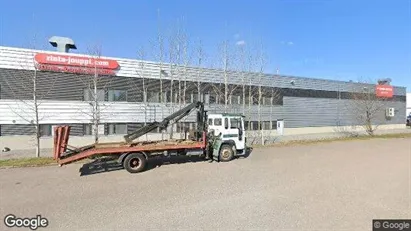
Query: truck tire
(226, 153)
(135, 162)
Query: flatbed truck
(217, 137)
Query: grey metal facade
(301, 102)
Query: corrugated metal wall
(17, 129)
(306, 102)
(310, 112)
(28, 129)
(62, 112)
(16, 58)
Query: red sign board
(75, 64)
(78, 70)
(384, 91)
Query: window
(274, 125)
(221, 99)
(247, 125)
(117, 95)
(218, 122)
(117, 129)
(45, 129)
(246, 100)
(213, 99)
(207, 98)
(183, 127)
(254, 125)
(255, 100)
(226, 123)
(188, 98)
(89, 95)
(266, 100)
(235, 99)
(167, 97)
(153, 97)
(235, 123)
(198, 97)
(87, 129)
(157, 130)
(266, 125)
(210, 121)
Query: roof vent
(384, 81)
(62, 44)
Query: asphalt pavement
(331, 186)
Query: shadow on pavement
(248, 152)
(110, 164)
(99, 166)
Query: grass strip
(46, 161)
(334, 139)
(28, 162)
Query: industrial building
(132, 92)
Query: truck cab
(230, 130)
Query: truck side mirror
(240, 133)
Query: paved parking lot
(331, 186)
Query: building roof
(19, 58)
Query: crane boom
(173, 118)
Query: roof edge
(19, 49)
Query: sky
(328, 39)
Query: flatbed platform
(65, 154)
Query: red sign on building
(75, 64)
(384, 91)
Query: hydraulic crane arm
(173, 118)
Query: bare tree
(225, 62)
(250, 97)
(223, 90)
(95, 92)
(173, 59)
(179, 59)
(262, 63)
(95, 100)
(185, 59)
(242, 69)
(25, 89)
(160, 41)
(259, 93)
(200, 58)
(159, 46)
(141, 89)
(367, 108)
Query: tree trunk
(260, 124)
(37, 146)
(38, 135)
(96, 110)
(36, 113)
(171, 106)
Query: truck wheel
(135, 162)
(226, 153)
